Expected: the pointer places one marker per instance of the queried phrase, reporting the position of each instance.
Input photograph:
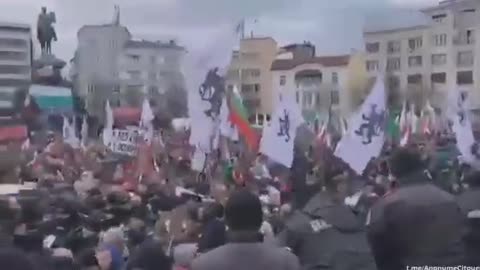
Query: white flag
(108, 129)
(462, 125)
(69, 136)
(146, 119)
(366, 136)
(278, 138)
(205, 68)
(84, 133)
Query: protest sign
(124, 141)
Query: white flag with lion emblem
(366, 136)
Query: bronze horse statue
(45, 31)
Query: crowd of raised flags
(362, 135)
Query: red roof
(327, 61)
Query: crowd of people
(87, 213)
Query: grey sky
(335, 26)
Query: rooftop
(146, 44)
(106, 25)
(327, 61)
(393, 30)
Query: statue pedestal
(48, 69)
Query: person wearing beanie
(427, 224)
(244, 248)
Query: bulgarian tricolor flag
(239, 117)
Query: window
(393, 82)
(334, 78)
(317, 99)
(134, 57)
(116, 88)
(249, 56)
(415, 61)
(439, 17)
(283, 80)
(152, 90)
(153, 59)
(297, 97)
(233, 74)
(393, 64)
(90, 88)
(152, 76)
(13, 42)
(414, 79)
(372, 65)
(17, 56)
(465, 59)
(466, 37)
(440, 40)
(134, 74)
(469, 37)
(372, 47)
(249, 88)
(440, 77)
(334, 97)
(307, 100)
(14, 69)
(464, 77)
(230, 87)
(415, 43)
(393, 46)
(439, 59)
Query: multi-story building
(15, 54)
(149, 69)
(96, 63)
(250, 71)
(321, 84)
(430, 59)
(15, 62)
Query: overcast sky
(334, 26)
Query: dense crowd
(406, 210)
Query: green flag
(393, 125)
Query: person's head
(338, 186)
(405, 161)
(114, 237)
(243, 211)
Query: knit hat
(243, 211)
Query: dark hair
(243, 211)
(405, 161)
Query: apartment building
(149, 68)
(15, 63)
(250, 71)
(321, 84)
(96, 63)
(431, 59)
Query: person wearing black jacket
(213, 234)
(417, 223)
(469, 202)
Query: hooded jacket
(327, 235)
(417, 224)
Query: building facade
(250, 72)
(15, 54)
(15, 63)
(319, 83)
(96, 63)
(426, 61)
(148, 69)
